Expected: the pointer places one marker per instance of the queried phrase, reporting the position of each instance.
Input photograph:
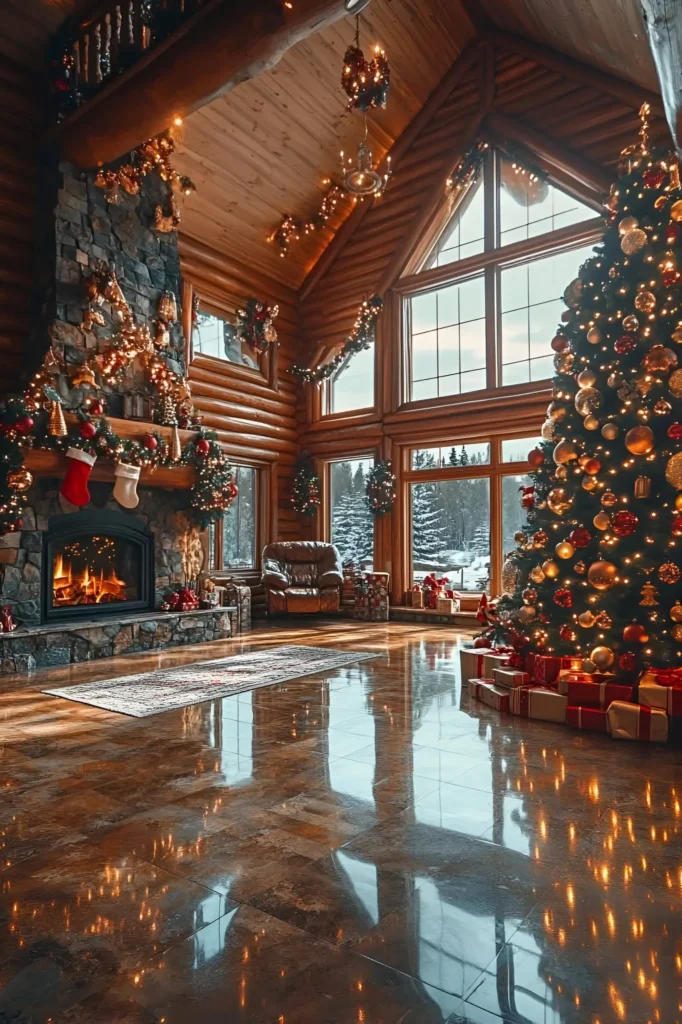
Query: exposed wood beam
(444, 89)
(552, 151)
(225, 44)
(663, 20)
(588, 76)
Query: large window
(352, 386)
(234, 545)
(352, 525)
(480, 314)
(465, 506)
(214, 336)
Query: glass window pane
(451, 531)
(474, 380)
(515, 373)
(442, 355)
(514, 335)
(352, 526)
(424, 313)
(212, 336)
(513, 516)
(514, 288)
(530, 208)
(239, 524)
(353, 386)
(463, 235)
(477, 454)
(516, 449)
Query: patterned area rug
(150, 693)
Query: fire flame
(86, 587)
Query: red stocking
(75, 484)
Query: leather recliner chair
(302, 576)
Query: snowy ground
(464, 569)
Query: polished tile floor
(366, 845)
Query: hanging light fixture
(360, 177)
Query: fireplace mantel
(44, 463)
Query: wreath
(380, 488)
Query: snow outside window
(352, 525)
(451, 531)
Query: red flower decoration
(625, 523)
(653, 178)
(627, 662)
(564, 598)
(675, 431)
(626, 343)
(580, 537)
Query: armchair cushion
(331, 578)
(306, 576)
(274, 574)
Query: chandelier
(360, 177)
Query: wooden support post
(663, 20)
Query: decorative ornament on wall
(380, 488)
(365, 82)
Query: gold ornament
(547, 430)
(580, 568)
(530, 595)
(590, 483)
(633, 241)
(591, 422)
(510, 575)
(627, 224)
(673, 471)
(678, 502)
(676, 210)
(663, 408)
(586, 620)
(588, 666)
(57, 424)
(564, 452)
(550, 569)
(167, 309)
(20, 479)
(84, 377)
(610, 431)
(649, 594)
(677, 336)
(615, 379)
(603, 658)
(630, 322)
(669, 572)
(520, 537)
(675, 383)
(176, 447)
(588, 400)
(676, 612)
(573, 293)
(645, 302)
(603, 620)
(526, 613)
(594, 336)
(642, 487)
(602, 575)
(602, 521)
(587, 378)
(676, 633)
(640, 440)
(563, 362)
(557, 412)
(162, 336)
(559, 500)
(565, 549)
(536, 575)
(659, 358)
(608, 499)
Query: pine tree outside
(352, 525)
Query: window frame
(326, 496)
(260, 532)
(493, 471)
(490, 263)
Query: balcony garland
(361, 337)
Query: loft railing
(86, 54)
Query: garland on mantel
(361, 337)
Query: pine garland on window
(305, 493)
(381, 488)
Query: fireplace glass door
(97, 565)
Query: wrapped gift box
(592, 719)
(637, 722)
(446, 606)
(486, 691)
(479, 663)
(511, 677)
(597, 695)
(546, 668)
(653, 695)
(417, 598)
(538, 702)
(566, 677)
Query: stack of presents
(555, 689)
(435, 594)
(371, 596)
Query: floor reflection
(365, 845)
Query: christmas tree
(597, 567)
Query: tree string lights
(361, 337)
(291, 229)
(365, 82)
(598, 563)
(305, 492)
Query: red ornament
(627, 662)
(203, 447)
(87, 429)
(536, 457)
(626, 343)
(564, 598)
(566, 633)
(653, 177)
(625, 523)
(676, 526)
(559, 343)
(635, 634)
(580, 537)
(671, 233)
(670, 277)
(675, 431)
(592, 466)
(96, 407)
(150, 442)
(24, 425)
(481, 642)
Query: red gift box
(636, 722)
(597, 695)
(546, 668)
(593, 719)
